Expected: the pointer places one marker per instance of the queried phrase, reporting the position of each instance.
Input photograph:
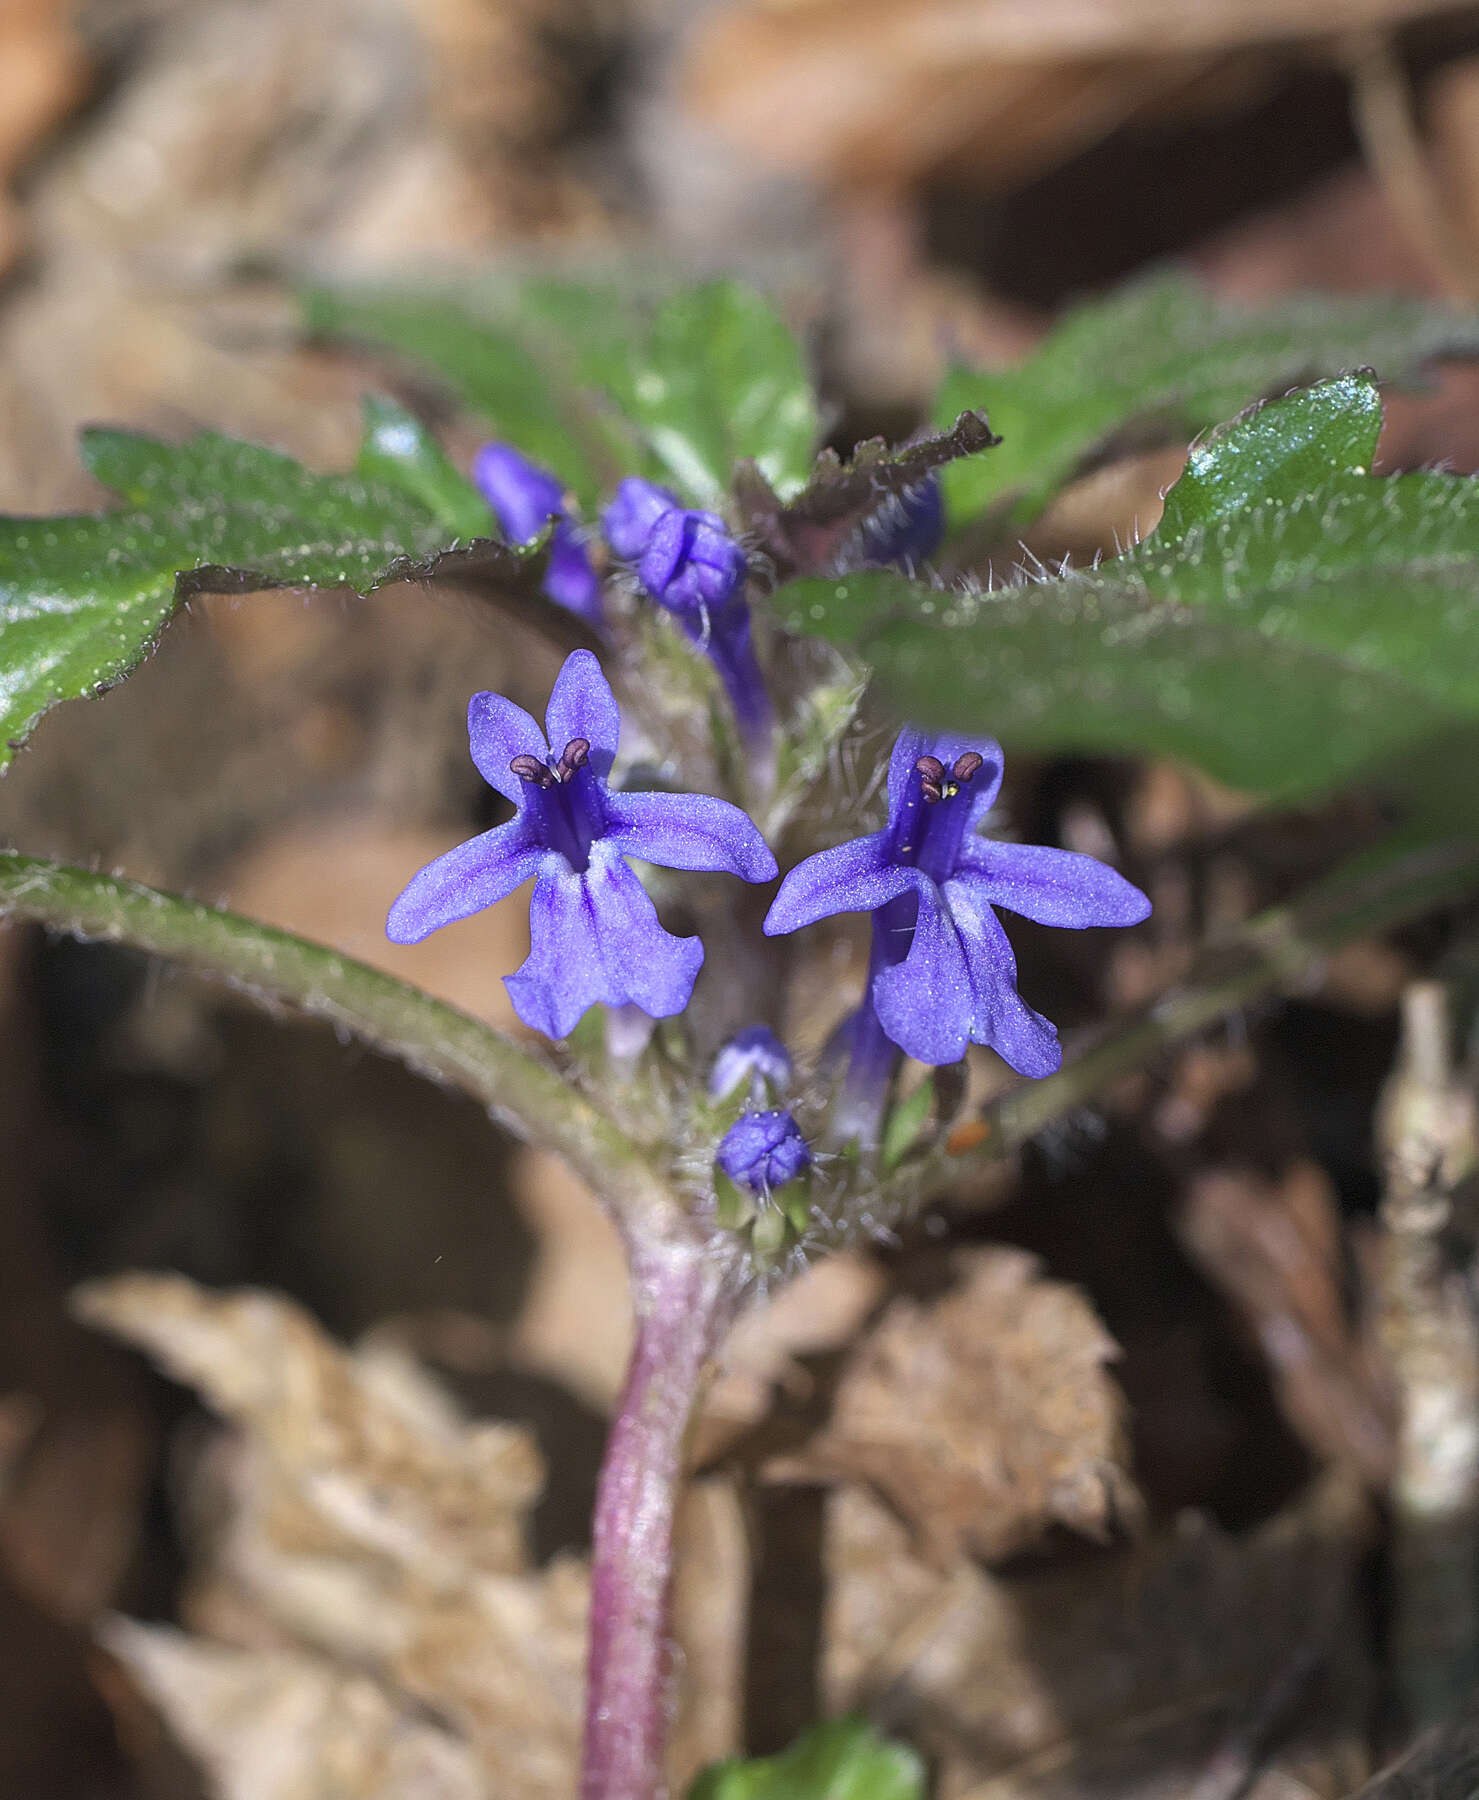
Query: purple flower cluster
(942, 974)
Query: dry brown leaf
(367, 1442)
(354, 1515)
(288, 1726)
(1274, 1249)
(983, 1417)
(43, 75)
(872, 93)
(1115, 1678)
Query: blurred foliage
(845, 1759)
(1160, 359)
(582, 381)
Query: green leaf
(1295, 624)
(1160, 358)
(532, 360)
(83, 598)
(844, 1759)
(722, 381)
(399, 451)
(583, 381)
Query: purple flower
(763, 1151)
(943, 974)
(593, 931)
(524, 499)
(755, 1057)
(905, 530)
(634, 509)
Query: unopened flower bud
(524, 499)
(762, 1151)
(906, 530)
(691, 563)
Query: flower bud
(691, 564)
(634, 509)
(762, 1151)
(906, 529)
(524, 499)
(754, 1058)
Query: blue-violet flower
(763, 1151)
(755, 1057)
(942, 973)
(524, 499)
(593, 931)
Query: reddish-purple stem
(683, 1300)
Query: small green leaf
(83, 598)
(844, 1759)
(1161, 358)
(399, 451)
(1295, 623)
(585, 382)
(906, 1121)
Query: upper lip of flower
(594, 931)
(944, 973)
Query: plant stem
(684, 1297)
(523, 1092)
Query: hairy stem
(522, 1091)
(684, 1298)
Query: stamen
(930, 770)
(966, 765)
(530, 768)
(575, 755)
